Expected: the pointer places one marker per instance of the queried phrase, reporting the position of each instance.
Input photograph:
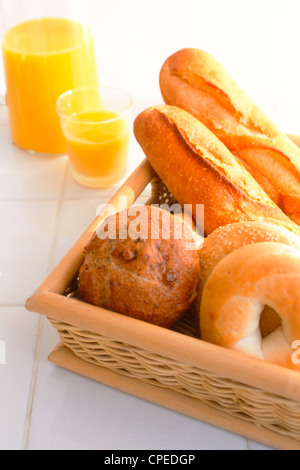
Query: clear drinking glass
(47, 49)
(96, 123)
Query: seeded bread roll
(144, 268)
(198, 169)
(231, 237)
(227, 239)
(193, 80)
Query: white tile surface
(43, 212)
(26, 236)
(74, 218)
(19, 331)
(24, 176)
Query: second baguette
(198, 169)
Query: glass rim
(19, 50)
(91, 121)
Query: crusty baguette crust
(198, 169)
(193, 80)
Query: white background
(43, 212)
(257, 42)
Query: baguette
(198, 169)
(194, 81)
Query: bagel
(227, 239)
(236, 292)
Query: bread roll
(193, 80)
(225, 240)
(141, 269)
(198, 169)
(234, 296)
(228, 239)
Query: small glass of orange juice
(96, 125)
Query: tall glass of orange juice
(96, 125)
(43, 57)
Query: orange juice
(97, 143)
(43, 59)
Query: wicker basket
(170, 367)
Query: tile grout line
(42, 319)
(58, 211)
(33, 383)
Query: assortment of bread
(195, 81)
(211, 146)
